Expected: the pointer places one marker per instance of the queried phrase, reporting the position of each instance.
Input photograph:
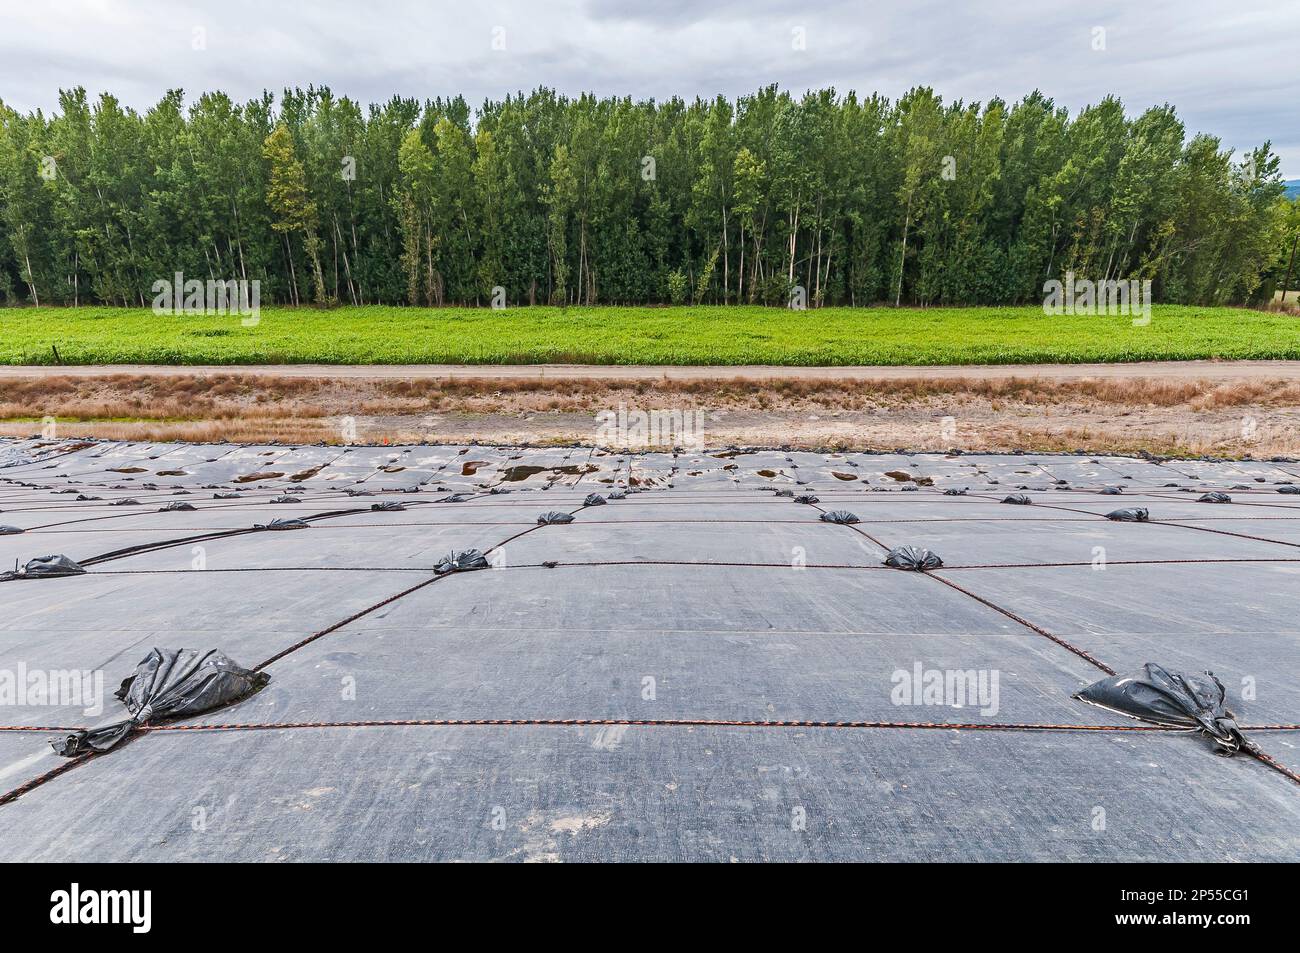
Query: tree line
(541, 198)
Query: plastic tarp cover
(912, 557)
(167, 684)
(44, 567)
(1175, 699)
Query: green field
(615, 335)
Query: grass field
(616, 335)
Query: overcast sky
(1231, 67)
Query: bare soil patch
(1158, 414)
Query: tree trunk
(902, 259)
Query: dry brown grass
(1159, 415)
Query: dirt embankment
(1259, 416)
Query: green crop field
(618, 335)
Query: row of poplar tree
(583, 200)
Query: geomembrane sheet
(700, 670)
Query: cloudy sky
(1231, 67)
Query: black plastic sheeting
(807, 498)
(594, 499)
(1018, 499)
(45, 567)
(283, 524)
(10, 530)
(178, 505)
(1289, 489)
(227, 496)
(461, 562)
(1215, 497)
(286, 499)
(915, 558)
(1175, 699)
(555, 516)
(167, 684)
(388, 506)
(1111, 491)
(953, 491)
(1129, 514)
(839, 516)
(125, 502)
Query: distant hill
(1293, 188)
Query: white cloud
(1230, 69)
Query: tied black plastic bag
(10, 530)
(283, 524)
(594, 499)
(1170, 698)
(1129, 514)
(1289, 488)
(555, 516)
(168, 684)
(44, 567)
(955, 492)
(461, 562)
(1214, 497)
(913, 557)
(839, 516)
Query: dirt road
(1218, 371)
